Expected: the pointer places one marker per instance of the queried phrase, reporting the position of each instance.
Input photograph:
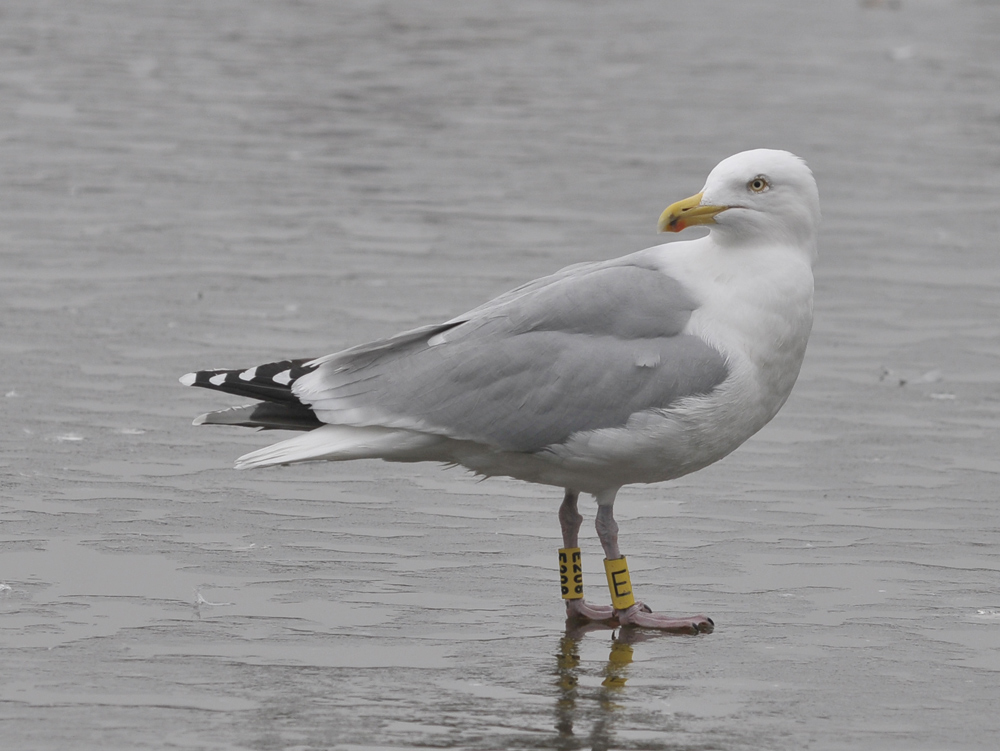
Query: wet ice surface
(194, 185)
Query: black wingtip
(271, 382)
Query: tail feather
(341, 442)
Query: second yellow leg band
(571, 573)
(619, 583)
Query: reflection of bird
(639, 369)
(576, 709)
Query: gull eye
(759, 184)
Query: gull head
(761, 195)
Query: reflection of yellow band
(616, 673)
(571, 573)
(619, 583)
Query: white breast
(756, 308)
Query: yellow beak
(687, 213)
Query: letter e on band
(619, 583)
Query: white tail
(343, 442)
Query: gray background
(188, 185)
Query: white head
(754, 196)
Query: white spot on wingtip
(188, 379)
(249, 375)
(218, 380)
(284, 377)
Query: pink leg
(640, 614)
(570, 521)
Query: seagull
(639, 369)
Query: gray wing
(581, 350)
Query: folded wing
(530, 368)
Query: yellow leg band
(619, 583)
(571, 573)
